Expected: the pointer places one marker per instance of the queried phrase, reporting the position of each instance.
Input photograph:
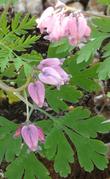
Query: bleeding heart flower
(49, 62)
(31, 135)
(18, 132)
(63, 74)
(58, 24)
(50, 76)
(45, 19)
(37, 92)
(77, 28)
(41, 135)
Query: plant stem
(86, 13)
(27, 107)
(47, 114)
(31, 106)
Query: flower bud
(30, 134)
(49, 62)
(37, 92)
(50, 76)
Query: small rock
(33, 7)
(76, 5)
(96, 7)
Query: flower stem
(31, 106)
(27, 107)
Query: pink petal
(72, 26)
(41, 135)
(37, 92)
(72, 40)
(52, 62)
(30, 136)
(18, 132)
(45, 18)
(82, 25)
(63, 74)
(50, 76)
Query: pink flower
(52, 73)
(18, 132)
(31, 135)
(58, 31)
(50, 76)
(41, 135)
(65, 77)
(37, 92)
(45, 19)
(59, 25)
(77, 28)
(49, 62)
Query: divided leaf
(59, 49)
(82, 130)
(9, 147)
(60, 150)
(104, 69)
(83, 75)
(27, 166)
(57, 98)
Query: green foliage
(9, 147)
(22, 161)
(59, 49)
(82, 130)
(90, 48)
(57, 98)
(5, 2)
(104, 2)
(27, 165)
(14, 39)
(104, 69)
(75, 131)
(83, 74)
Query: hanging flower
(59, 24)
(31, 135)
(37, 92)
(50, 76)
(51, 73)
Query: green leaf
(21, 25)
(46, 125)
(104, 69)
(82, 130)
(83, 75)
(59, 49)
(5, 57)
(27, 165)
(60, 150)
(3, 24)
(104, 2)
(56, 98)
(9, 147)
(27, 69)
(21, 43)
(90, 48)
(95, 151)
(102, 24)
(4, 2)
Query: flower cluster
(58, 25)
(31, 135)
(51, 73)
